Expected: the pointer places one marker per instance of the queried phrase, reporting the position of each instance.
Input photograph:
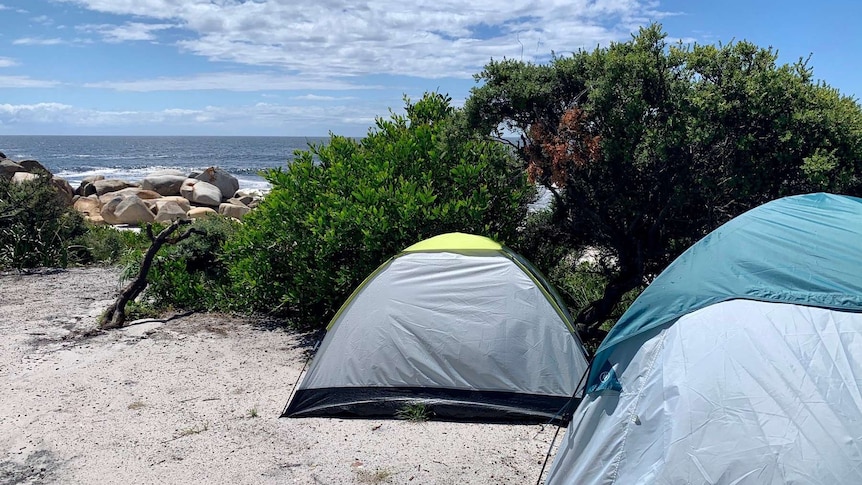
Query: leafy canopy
(341, 209)
(647, 147)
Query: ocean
(133, 157)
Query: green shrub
(106, 245)
(341, 209)
(136, 310)
(191, 274)
(36, 226)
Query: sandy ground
(196, 400)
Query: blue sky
(310, 67)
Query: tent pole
(567, 416)
(548, 456)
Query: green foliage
(649, 146)
(414, 412)
(584, 281)
(106, 245)
(36, 226)
(534, 243)
(38, 229)
(136, 310)
(191, 274)
(341, 209)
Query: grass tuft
(373, 477)
(193, 430)
(416, 412)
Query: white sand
(196, 400)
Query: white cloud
(40, 112)
(254, 119)
(7, 62)
(446, 38)
(43, 19)
(229, 82)
(315, 97)
(25, 82)
(18, 10)
(130, 31)
(38, 41)
(294, 53)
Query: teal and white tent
(458, 323)
(740, 364)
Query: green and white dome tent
(741, 363)
(457, 322)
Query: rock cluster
(162, 196)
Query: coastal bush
(189, 275)
(36, 225)
(106, 245)
(341, 209)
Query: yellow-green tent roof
(455, 241)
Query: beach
(196, 399)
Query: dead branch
(115, 315)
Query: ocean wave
(75, 175)
(109, 158)
(257, 183)
(133, 158)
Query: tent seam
(541, 281)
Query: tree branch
(115, 315)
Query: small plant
(416, 412)
(251, 413)
(373, 477)
(193, 430)
(136, 310)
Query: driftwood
(115, 315)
